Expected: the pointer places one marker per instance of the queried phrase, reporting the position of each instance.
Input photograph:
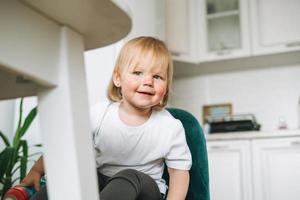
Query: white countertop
(253, 135)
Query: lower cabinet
(276, 169)
(229, 170)
(255, 169)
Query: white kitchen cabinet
(258, 167)
(223, 29)
(181, 29)
(204, 30)
(229, 170)
(275, 26)
(276, 167)
(199, 31)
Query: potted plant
(14, 156)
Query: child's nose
(148, 80)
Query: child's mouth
(146, 93)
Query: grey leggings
(128, 184)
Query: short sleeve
(178, 156)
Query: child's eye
(157, 77)
(137, 73)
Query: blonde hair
(132, 53)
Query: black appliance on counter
(233, 123)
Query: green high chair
(199, 176)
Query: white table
(41, 53)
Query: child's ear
(116, 79)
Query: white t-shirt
(144, 148)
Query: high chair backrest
(199, 176)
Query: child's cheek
(161, 92)
(130, 85)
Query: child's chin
(145, 105)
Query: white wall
(269, 93)
(7, 111)
(147, 18)
(99, 65)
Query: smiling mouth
(146, 93)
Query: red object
(16, 193)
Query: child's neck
(133, 116)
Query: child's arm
(178, 184)
(34, 175)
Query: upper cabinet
(204, 30)
(181, 30)
(207, 30)
(223, 30)
(275, 26)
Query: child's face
(142, 86)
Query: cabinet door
(224, 29)
(229, 170)
(275, 25)
(276, 169)
(180, 29)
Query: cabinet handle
(293, 44)
(219, 147)
(295, 143)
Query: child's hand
(33, 178)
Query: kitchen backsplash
(271, 93)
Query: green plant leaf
(14, 157)
(22, 130)
(28, 120)
(24, 159)
(3, 157)
(5, 139)
(15, 180)
(17, 133)
(6, 161)
(7, 184)
(20, 113)
(16, 169)
(12, 161)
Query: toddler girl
(134, 136)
